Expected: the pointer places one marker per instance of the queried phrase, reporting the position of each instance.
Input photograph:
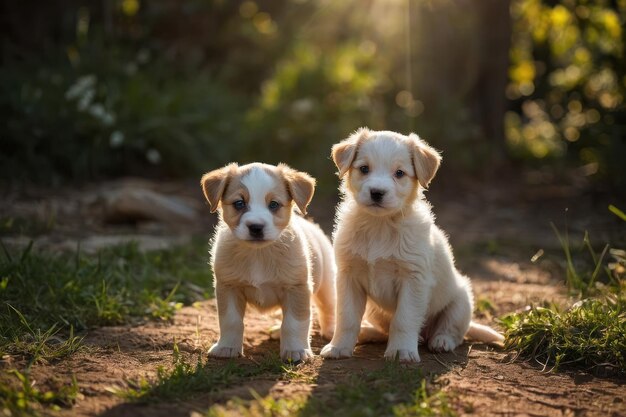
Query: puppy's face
(383, 170)
(257, 199)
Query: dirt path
(484, 381)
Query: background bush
(92, 90)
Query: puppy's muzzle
(377, 195)
(256, 230)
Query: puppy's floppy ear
(344, 152)
(214, 183)
(426, 160)
(301, 186)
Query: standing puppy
(391, 257)
(266, 255)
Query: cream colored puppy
(266, 255)
(391, 257)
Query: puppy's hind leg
(325, 300)
(375, 327)
(452, 323)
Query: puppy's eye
(399, 173)
(273, 205)
(364, 169)
(239, 205)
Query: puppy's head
(257, 200)
(383, 171)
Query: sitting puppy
(393, 263)
(268, 256)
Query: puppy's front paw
(403, 355)
(296, 356)
(218, 351)
(335, 352)
(442, 343)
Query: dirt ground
(495, 233)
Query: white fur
(395, 265)
(294, 263)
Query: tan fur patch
(300, 186)
(426, 160)
(214, 183)
(234, 191)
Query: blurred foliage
(568, 83)
(104, 107)
(95, 89)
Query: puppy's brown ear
(301, 186)
(426, 160)
(214, 183)
(344, 152)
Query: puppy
(393, 263)
(266, 255)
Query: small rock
(131, 204)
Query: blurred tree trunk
(461, 60)
(489, 100)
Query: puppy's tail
(485, 334)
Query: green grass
(394, 390)
(260, 407)
(582, 275)
(26, 226)
(185, 379)
(591, 334)
(38, 345)
(46, 296)
(20, 397)
(484, 307)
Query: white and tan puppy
(266, 255)
(393, 263)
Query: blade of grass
(619, 213)
(6, 252)
(598, 268)
(573, 280)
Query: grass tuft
(591, 334)
(41, 346)
(27, 399)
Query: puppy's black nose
(256, 230)
(377, 195)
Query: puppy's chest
(379, 243)
(261, 284)
(262, 273)
(384, 279)
(263, 279)
(264, 296)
